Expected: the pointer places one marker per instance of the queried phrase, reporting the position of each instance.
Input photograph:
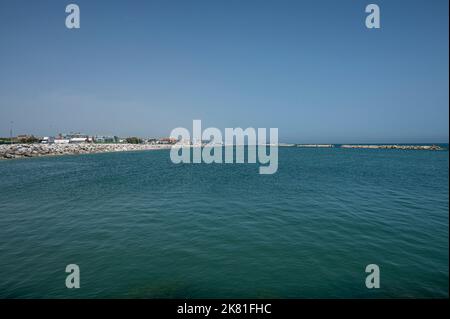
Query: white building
(78, 140)
(62, 141)
(48, 140)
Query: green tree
(133, 140)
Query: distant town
(77, 138)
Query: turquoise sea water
(140, 226)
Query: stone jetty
(397, 147)
(315, 145)
(10, 151)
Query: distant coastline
(14, 151)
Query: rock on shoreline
(8, 151)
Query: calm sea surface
(140, 226)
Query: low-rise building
(166, 140)
(79, 140)
(48, 140)
(62, 141)
(105, 139)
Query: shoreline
(16, 151)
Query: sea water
(139, 226)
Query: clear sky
(310, 68)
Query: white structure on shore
(79, 140)
(61, 141)
(48, 140)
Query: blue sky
(310, 68)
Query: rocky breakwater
(316, 145)
(34, 150)
(397, 147)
